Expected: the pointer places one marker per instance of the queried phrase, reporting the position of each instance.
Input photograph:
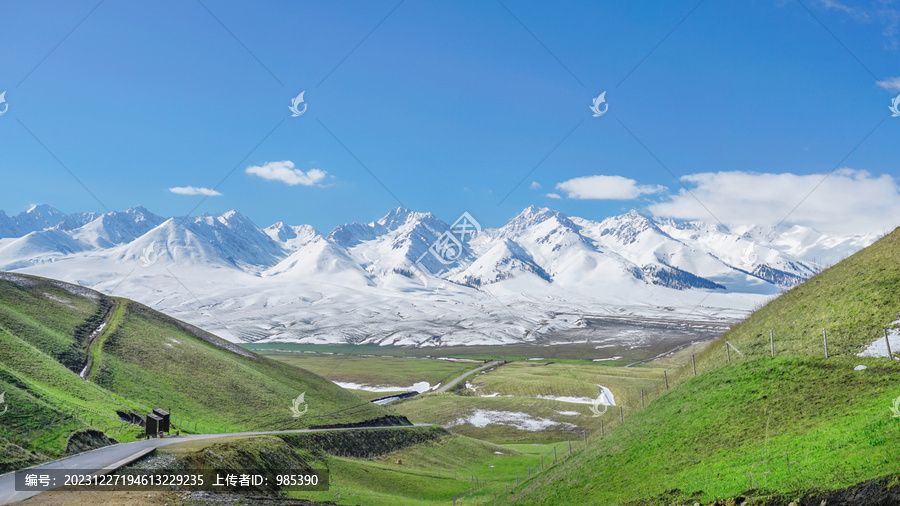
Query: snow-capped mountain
(380, 282)
(108, 230)
(394, 243)
(239, 240)
(317, 257)
(291, 237)
(38, 218)
(505, 259)
(804, 242)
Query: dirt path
(98, 335)
(467, 374)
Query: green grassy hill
(139, 359)
(761, 426)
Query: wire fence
(827, 343)
(831, 342)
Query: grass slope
(761, 425)
(142, 360)
(376, 371)
(433, 472)
(854, 300)
(512, 393)
(155, 361)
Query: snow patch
(564, 398)
(481, 418)
(422, 386)
(97, 331)
(61, 300)
(878, 348)
(605, 398)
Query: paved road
(122, 452)
(467, 374)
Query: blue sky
(446, 107)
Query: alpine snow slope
(541, 273)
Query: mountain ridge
(546, 243)
(405, 277)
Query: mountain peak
(139, 210)
(629, 226)
(400, 216)
(289, 235)
(396, 217)
(533, 215)
(634, 214)
(44, 210)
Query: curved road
(118, 455)
(467, 374)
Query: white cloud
(553, 195)
(848, 201)
(286, 173)
(881, 12)
(605, 187)
(891, 83)
(193, 190)
(834, 5)
(535, 185)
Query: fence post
(621, 416)
(693, 364)
(727, 354)
(642, 398)
(888, 343)
(772, 342)
(585, 437)
(601, 427)
(542, 462)
(554, 454)
(825, 340)
(570, 447)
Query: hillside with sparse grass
(135, 359)
(770, 429)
